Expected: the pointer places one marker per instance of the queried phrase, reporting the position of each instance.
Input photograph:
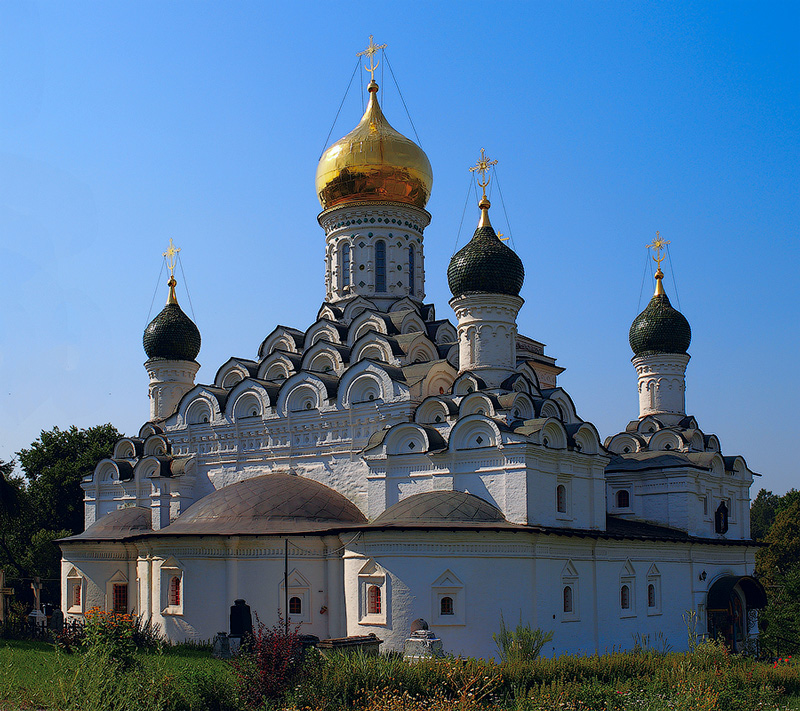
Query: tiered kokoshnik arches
(418, 467)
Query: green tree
(48, 503)
(762, 513)
(54, 466)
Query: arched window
(446, 606)
(625, 597)
(380, 266)
(374, 600)
(623, 499)
(175, 591)
(568, 598)
(346, 265)
(561, 498)
(295, 606)
(411, 273)
(651, 595)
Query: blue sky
(123, 124)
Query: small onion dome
(485, 263)
(172, 335)
(660, 328)
(374, 162)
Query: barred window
(446, 606)
(374, 600)
(651, 595)
(120, 595)
(295, 606)
(175, 591)
(567, 598)
(380, 266)
(346, 265)
(625, 597)
(76, 593)
(623, 499)
(411, 272)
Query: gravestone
(222, 646)
(422, 643)
(57, 620)
(241, 624)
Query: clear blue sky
(123, 124)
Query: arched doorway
(729, 600)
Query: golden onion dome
(374, 162)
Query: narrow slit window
(651, 595)
(561, 499)
(380, 266)
(346, 265)
(567, 598)
(411, 271)
(76, 593)
(625, 597)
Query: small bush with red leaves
(268, 664)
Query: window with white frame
(172, 587)
(448, 600)
(569, 593)
(653, 590)
(75, 592)
(627, 589)
(299, 598)
(372, 594)
(117, 593)
(561, 500)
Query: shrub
(268, 663)
(523, 644)
(110, 636)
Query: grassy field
(34, 675)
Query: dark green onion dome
(660, 328)
(172, 335)
(485, 264)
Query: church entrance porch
(729, 601)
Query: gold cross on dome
(483, 166)
(171, 256)
(370, 52)
(657, 245)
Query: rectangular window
(380, 266)
(120, 597)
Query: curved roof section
(660, 328)
(267, 504)
(440, 508)
(117, 525)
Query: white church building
(418, 467)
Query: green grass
(34, 676)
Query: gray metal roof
(271, 503)
(117, 525)
(440, 507)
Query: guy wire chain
(388, 64)
(463, 212)
(333, 552)
(155, 291)
(336, 118)
(644, 276)
(674, 283)
(186, 286)
(503, 203)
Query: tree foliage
(47, 504)
(54, 466)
